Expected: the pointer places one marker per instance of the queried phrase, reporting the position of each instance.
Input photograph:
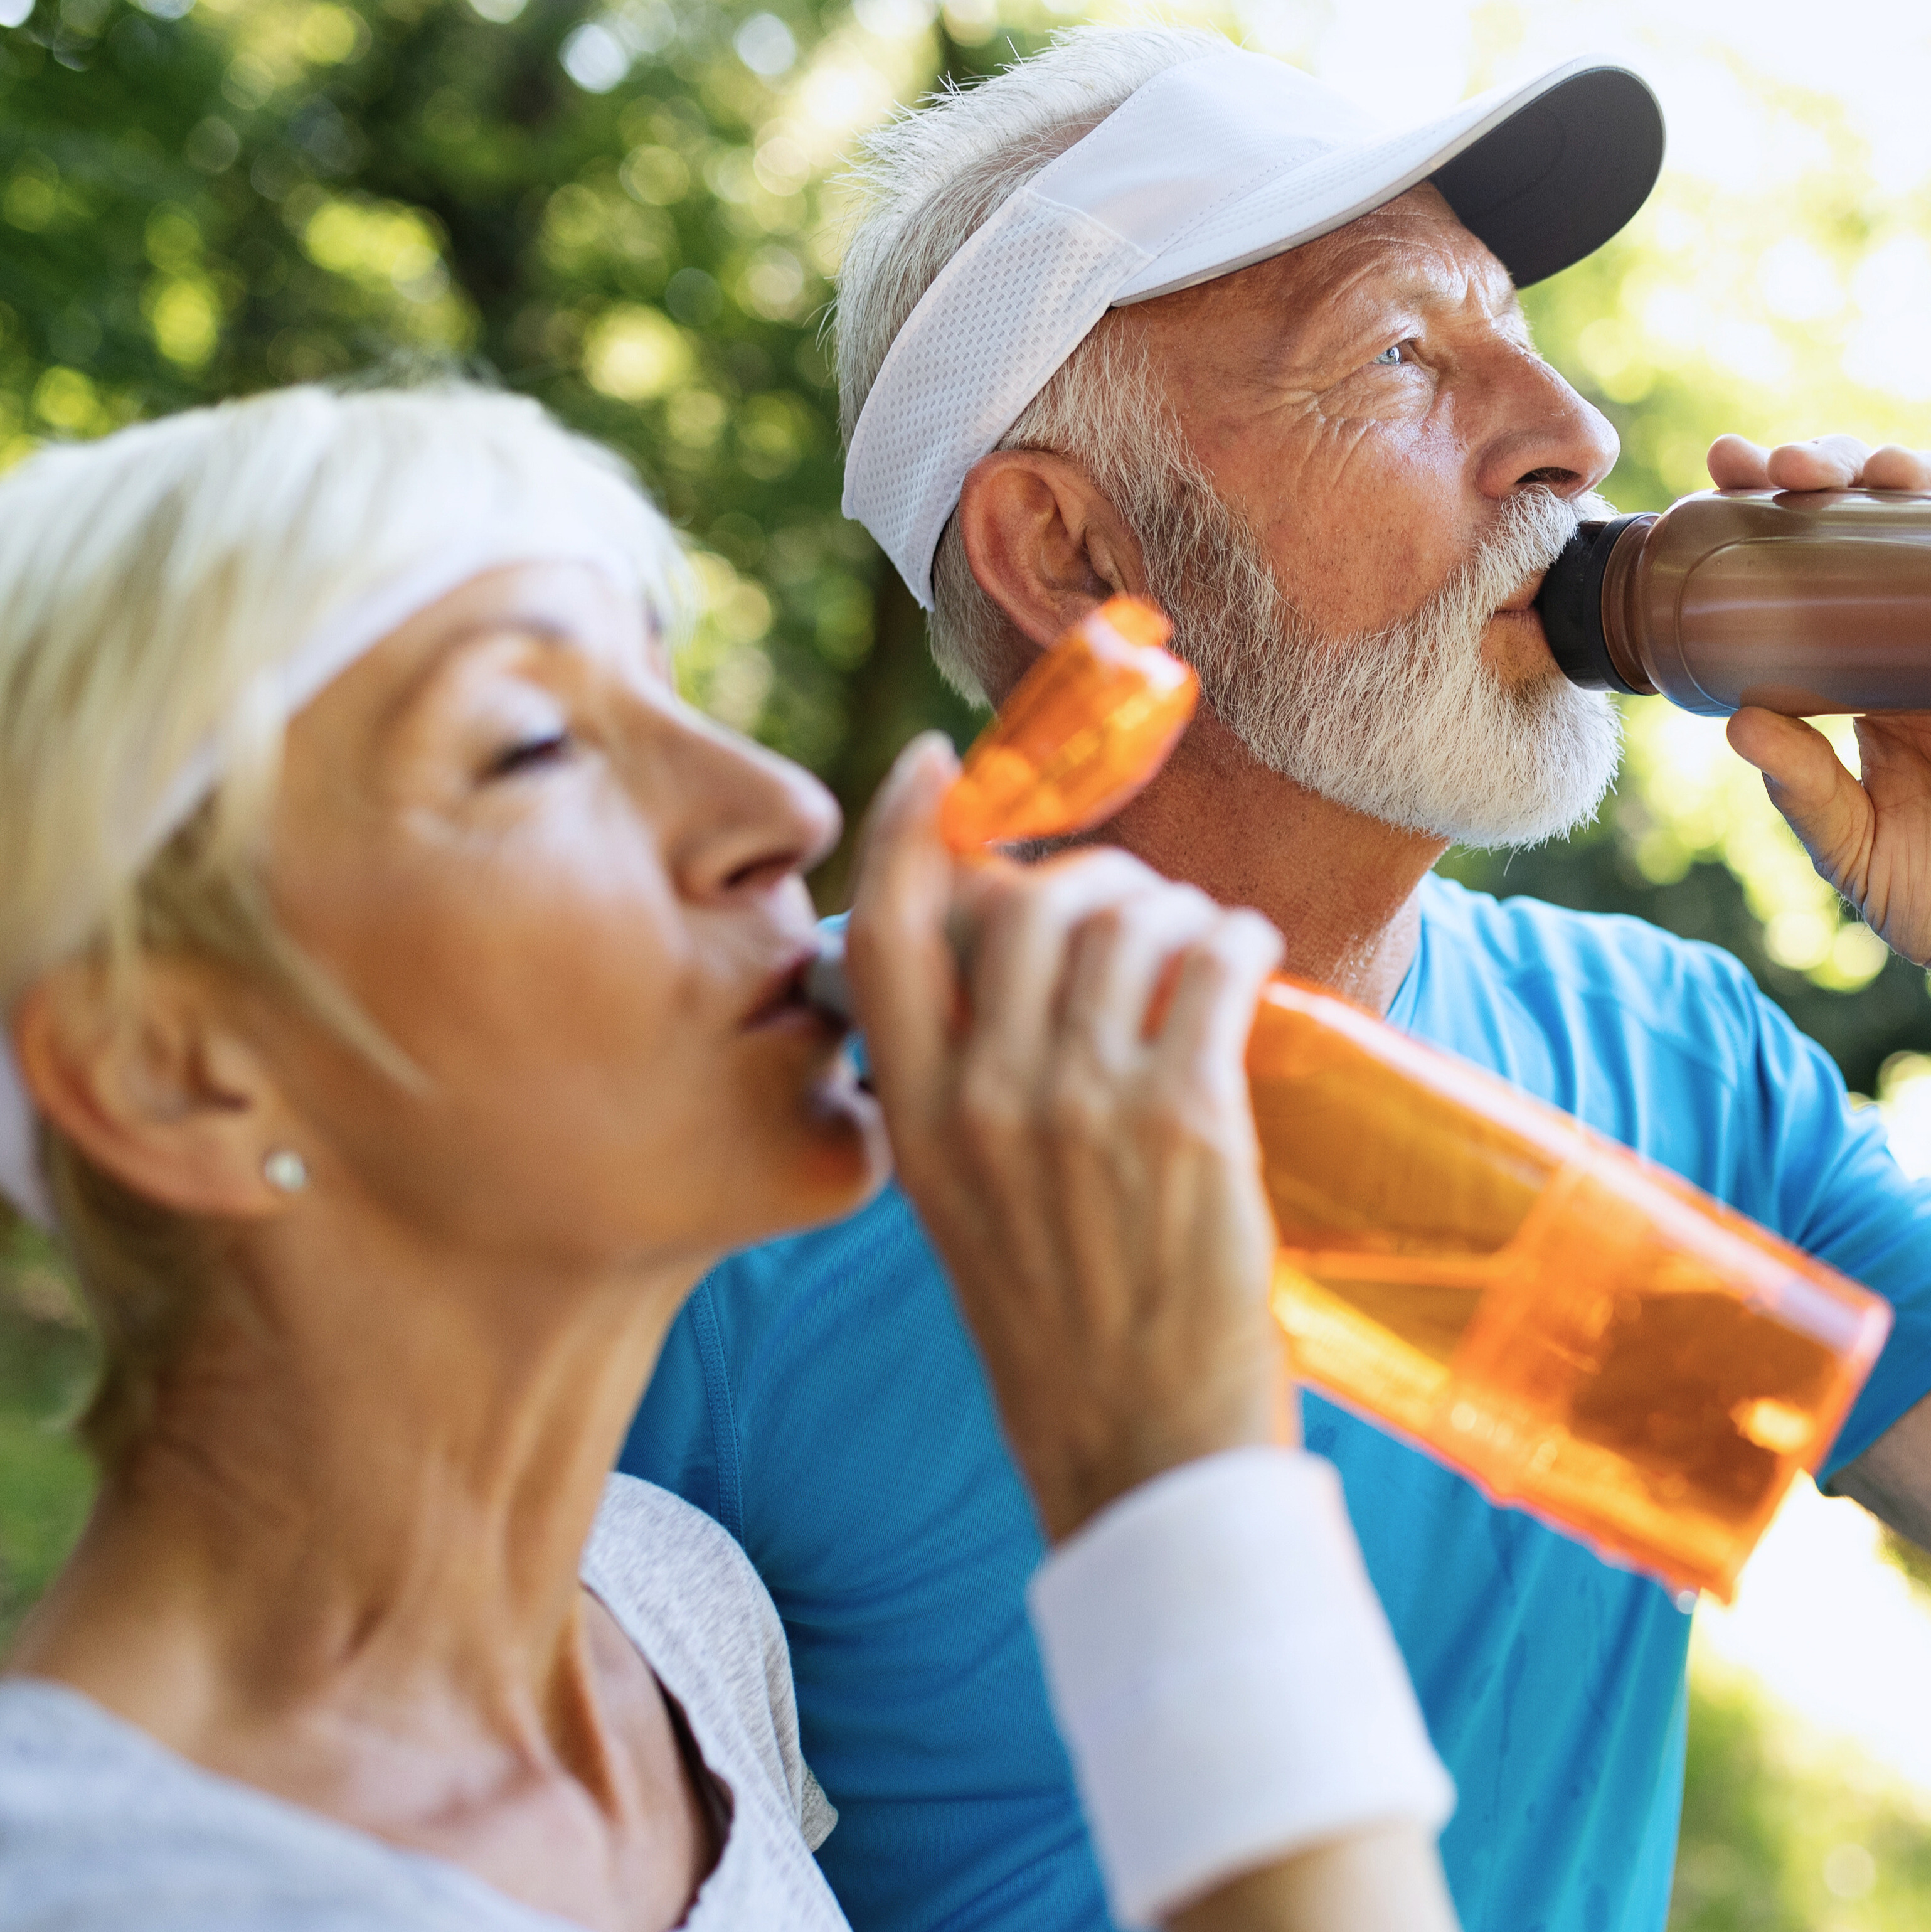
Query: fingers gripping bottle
(1584, 1335)
(1083, 731)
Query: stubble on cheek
(1363, 565)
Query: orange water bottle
(1582, 1332)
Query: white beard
(1406, 725)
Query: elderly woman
(405, 1009)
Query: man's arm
(1892, 1478)
(1388, 1881)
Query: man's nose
(1544, 433)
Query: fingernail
(915, 754)
(936, 749)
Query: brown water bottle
(1801, 602)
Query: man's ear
(1043, 542)
(150, 1082)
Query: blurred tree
(622, 215)
(1775, 1840)
(46, 1366)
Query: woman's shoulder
(658, 1548)
(102, 1828)
(689, 1599)
(687, 1594)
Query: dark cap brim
(1557, 178)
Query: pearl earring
(286, 1171)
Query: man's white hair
(927, 180)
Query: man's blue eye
(1391, 355)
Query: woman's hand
(1869, 837)
(1092, 1180)
(1070, 1113)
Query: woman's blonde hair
(152, 584)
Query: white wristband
(1225, 1679)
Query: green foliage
(46, 1361)
(1904, 1555)
(258, 192)
(1771, 1845)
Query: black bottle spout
(1570, 604)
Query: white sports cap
(1215, 164)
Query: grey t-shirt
(103, 1830)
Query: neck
(365, 1489)
(1340, 885)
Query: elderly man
(1146, 313)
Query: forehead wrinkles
(1295, 307)
(1416, 237)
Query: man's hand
(1871, 837)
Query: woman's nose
(745, 816)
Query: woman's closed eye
(542, 749)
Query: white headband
(339, 641)
(1215, 164)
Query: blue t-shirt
(819, 1398)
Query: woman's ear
(153, 1084)
(1044, 543)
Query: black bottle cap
(1570, 602)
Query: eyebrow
(534, 625)
(545, 630)
(1358, 314)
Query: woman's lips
(782, 999)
